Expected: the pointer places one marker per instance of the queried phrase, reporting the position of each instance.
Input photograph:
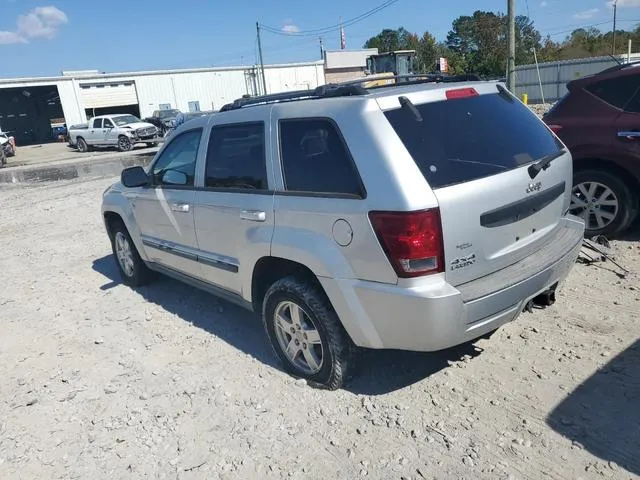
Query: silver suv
(416, 216)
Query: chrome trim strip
(205, 258)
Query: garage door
(100, 95)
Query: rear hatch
(474, 145)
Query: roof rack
(346, 89)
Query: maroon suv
(599, 120)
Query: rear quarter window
(616, 91)
(467, 139)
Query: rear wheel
(124, 143)
(82, 145)
(3, 157)
(306, 334)
(603, 200)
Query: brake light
(412, 241)
(461, 93)
(555, 128)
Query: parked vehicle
(163, 120)
(599, 121)
(121, 131)
(7, 148)
(416, 217)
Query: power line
(332, 28)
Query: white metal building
(75, 96)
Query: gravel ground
(101, 381)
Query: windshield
(125, 120)
(168, 113)
(466, 139)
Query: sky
(44, 37)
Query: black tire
(124, 143)
(3, 157)
(139, 274)
(81, 145)
(624, 212)
(337, 348)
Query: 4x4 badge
(534, 187)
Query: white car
(121, 131)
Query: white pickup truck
(121, 131)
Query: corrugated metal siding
(555, 76)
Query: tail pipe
(543, 300)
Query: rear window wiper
(408, 106)
(543, 163)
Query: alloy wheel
(298, 337)
(596, 203)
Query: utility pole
(615, 11)
(321, 49)
(264, 79)
(511, 35)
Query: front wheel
(603, 200)
(132, 268)
(306, 334)
(124, 144)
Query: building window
(164, 106)
(194, 107)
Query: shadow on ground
(603, 413)
(633, 234)
(378, 372)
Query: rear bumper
(435, 315)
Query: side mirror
(134, 177)
(174, 177)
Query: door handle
(253, 215)
(629, 135)
(180, 207)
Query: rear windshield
(466, 139)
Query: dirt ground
(100, 381)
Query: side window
(236, 157)
(177, 162)
(616, 91)
(315, 159)
(97, 123)
(107, 123)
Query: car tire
(604, 201)
(124, 143)
(3, 157)
(81, 145)
(321, 351)
(133, 270)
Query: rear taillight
(555, 128)
(411, 240)
(461, 93)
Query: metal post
(615, 10)
(629, 52)
(511, 34)
(264, 79)
(321, 49)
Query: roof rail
(346, 89)
(620, 66)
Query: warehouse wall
(212, 88)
